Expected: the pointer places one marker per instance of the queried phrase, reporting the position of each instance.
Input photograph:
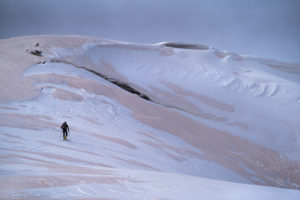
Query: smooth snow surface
(214, 125)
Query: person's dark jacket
(65, 127)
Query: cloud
(257, 27)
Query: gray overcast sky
(267, 28)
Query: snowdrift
(157, 121)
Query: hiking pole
(69, 135)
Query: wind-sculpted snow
(147, 121)
(185, 46)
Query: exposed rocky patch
(36, 52)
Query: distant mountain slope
(172, 110)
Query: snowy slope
(160, 121)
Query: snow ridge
(159, 121)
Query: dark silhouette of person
(65, 129)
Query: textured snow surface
(216, 125)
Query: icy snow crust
(217, 125)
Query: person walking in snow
(65, 129)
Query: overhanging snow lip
(182, 45)
(116, 82)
